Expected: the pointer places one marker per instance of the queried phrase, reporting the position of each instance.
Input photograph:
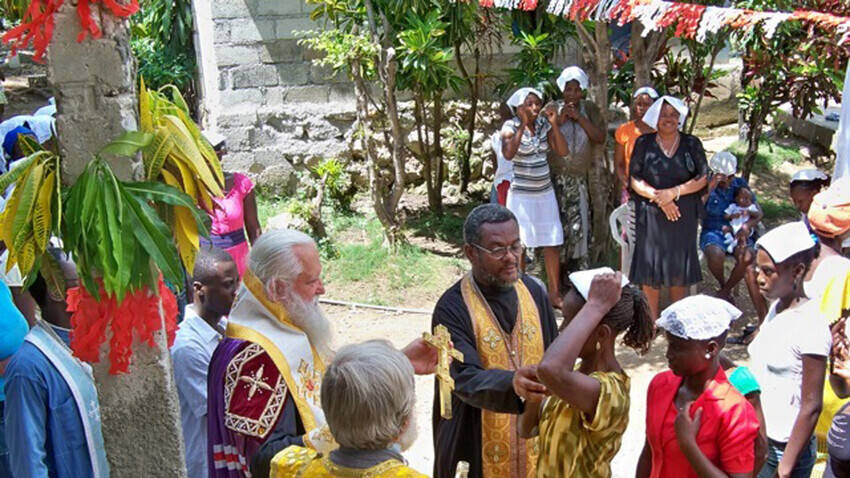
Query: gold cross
(528, 330)
(492, 338)
(441, 340)
(257, 382)
(496, 454)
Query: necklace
(672, 150)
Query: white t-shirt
(504, 168)
(829, 268)
(777, 362)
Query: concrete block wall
(259, 88)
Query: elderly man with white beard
(265, 376)
(369, 397)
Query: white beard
(308, 316)
(409, 435)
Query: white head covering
(646, 90)
(582, 279)
(654, 111)
(698, 317)
(724, 162)
(786, 240)
(809, 175)
(520, 95)
(571, 73)
(215, 138)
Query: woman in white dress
(526, 139)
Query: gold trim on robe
(252, 320)
(503, 453)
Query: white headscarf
(786, 240)
(583, 279)
(724, 163)
(646, 90)
(520, 95)
(654, 111)
(698, 317)
(571, 73)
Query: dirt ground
(358, 324)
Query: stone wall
(259, 88)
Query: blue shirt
(192, 351)
(44, 431)
(14, 327)
(718, 201)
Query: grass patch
(770, 155)
(358, 268)
(778, 212)
(374, 274)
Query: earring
(708, 356)
(598, 347)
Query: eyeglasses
(499, 253)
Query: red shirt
(727, 433)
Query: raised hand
(605, 290)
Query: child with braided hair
(588, 410)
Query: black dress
(665, 252)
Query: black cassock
(459, 439)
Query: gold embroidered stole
(503, 453)
(304, 382)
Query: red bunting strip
(138, 315)
(38, 23)
(686, 16)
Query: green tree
(800, 64)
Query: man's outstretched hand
(422, 356)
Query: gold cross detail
(256, 382)
(496, 454)
(528, 330)
(492, 338)
(441, 340)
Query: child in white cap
(697, 423)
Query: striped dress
(532, 197)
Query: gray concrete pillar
(95, 84)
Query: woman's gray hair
(273, 255)
(368, 395)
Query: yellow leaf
(42, 218)
(185, 247)
(145, 115)
(156, 153)
(11, 261)
(11, 209)
(26, 257)
(186, 223)
(189, 186)
(29, 190)
(185, 144)
(206, 199)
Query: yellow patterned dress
(577, 446)
(298, 462)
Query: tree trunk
(317, 224)
(714, 52)
(436, 202)
(601, 175)
(386, 197)
(424, 155)
(756, 124)
(644, 53)
(474, 83)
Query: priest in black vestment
(502, 322)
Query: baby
(738, 213)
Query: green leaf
(154, 237)
(163, 193)
(128, 144)
(21, 166)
